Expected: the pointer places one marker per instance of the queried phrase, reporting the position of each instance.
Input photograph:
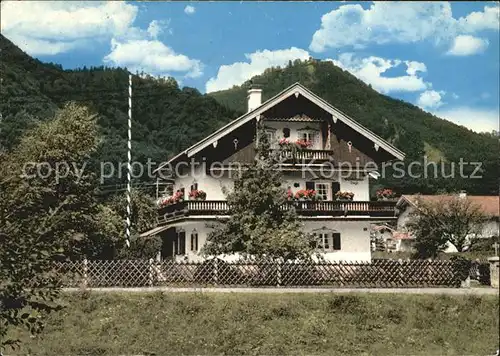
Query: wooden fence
(215, 272)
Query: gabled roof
(295, 89)
(489, 204)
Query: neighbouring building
(330, 140)
(489, 205)
(391, 239)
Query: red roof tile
(489, 204)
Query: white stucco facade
(213, 184)
(354, 239)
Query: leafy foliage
(454, 220)
(50, 210)
(257, 226)
(46, 209)
(143, 218)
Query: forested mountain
(411, 129)
(167, 119)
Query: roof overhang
(295, 89)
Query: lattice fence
(480, 271)
(215, 272)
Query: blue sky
(443, 57)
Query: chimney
(254, 98)
(462, 194)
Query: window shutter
(314, 242)
(182, 243)
(335, 188)
(336, 241)
(310, 185)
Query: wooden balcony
(306, 155)
(207, 208)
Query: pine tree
(258, 226)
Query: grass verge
(271, 324)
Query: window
(286, 132)
(194, 241)
(328, 242)
(322, 190)
(183, 192)
(311, 136)
(324, 242)
(194, 186)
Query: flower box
(303, 144)
(174, 199)
(385, 194)
(307, 195)
(344, 196)
(284, 142)
(197, 195)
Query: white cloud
(44, 47)
(154, 28)
(239, 72)
(479, 120)
(51, 27)
(465, 45)
(189, 10)
(398, 22)
(371, 70)
(484, 20)
(412, 67)
(151, 56)
(430, 99)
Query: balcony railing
(303, 208)
(306, 155)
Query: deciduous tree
(258, 226)
(48, 208)
(452, 220)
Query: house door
(167, 246)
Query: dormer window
(309, 134)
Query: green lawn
(271, 324)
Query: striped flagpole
(129, 156)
